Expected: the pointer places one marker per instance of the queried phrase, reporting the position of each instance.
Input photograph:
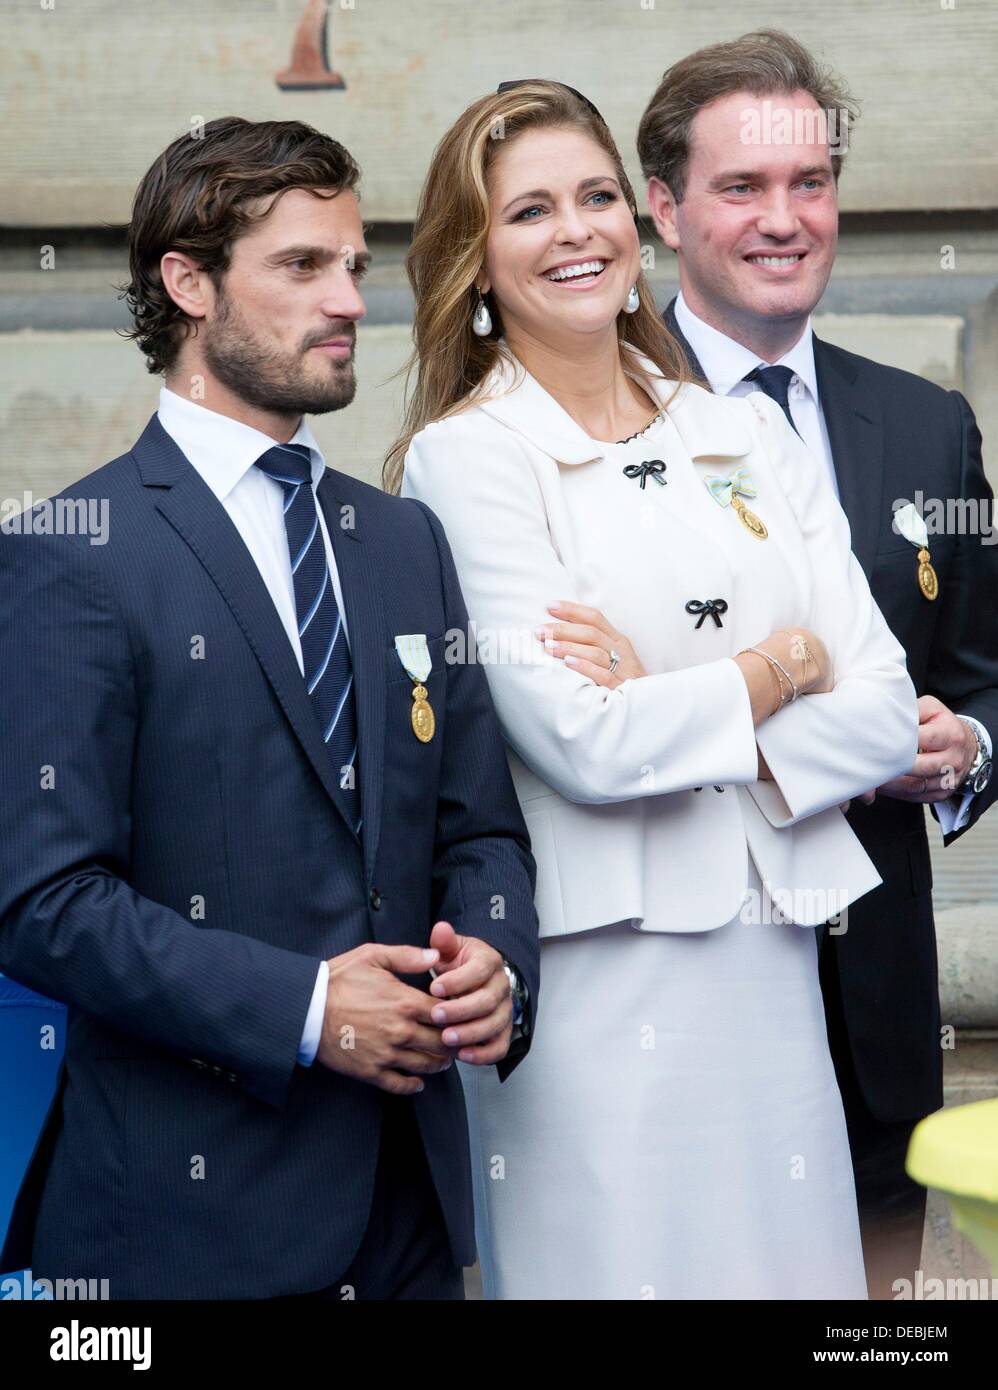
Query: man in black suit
(742, 145)
(246, 804)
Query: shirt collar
(726, 362)
(223, 450)
(515, 398)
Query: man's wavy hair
(203, 193)
(766, 62)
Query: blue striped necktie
(775, 383)
(325, 653)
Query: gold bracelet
(783, 670)
(807, 657)
(773, 665)
(800, 649)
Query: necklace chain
(657, 416)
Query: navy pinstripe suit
(180, 782)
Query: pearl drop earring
(481, 323)
(632, 303)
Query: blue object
(32, 1039)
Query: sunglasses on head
(522, 81)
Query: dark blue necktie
(325, 654)
(775, 382)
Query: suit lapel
(195, 513)
(361, 587)
(856, 434)
(692, 361)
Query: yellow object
(956, 1151)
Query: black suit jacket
(893, 434)
(182, 783)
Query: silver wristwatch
(520, 996)
(979, 772)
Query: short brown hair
(201, 195)
(763, 62)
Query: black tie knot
(290, 464)
(774, 381)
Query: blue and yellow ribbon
(723, 489)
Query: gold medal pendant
(928, 580)
(749, 520)
(423, 720)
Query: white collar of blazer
(520, 402)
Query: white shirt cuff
(309, 1045)
(952, 813)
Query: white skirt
(675, 1131)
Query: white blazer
(618, 786)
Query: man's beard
(267, 378)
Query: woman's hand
(816, 673)
(584, 638)
(803, 656)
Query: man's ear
(662, 206)
(187, 284)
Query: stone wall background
(93, 86)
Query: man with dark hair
(742, 145)
(248, 809)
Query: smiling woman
(663, 787)
(576, 234)
(542, 232)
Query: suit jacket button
(231, 1076)
(375, 899)
(201, 1066)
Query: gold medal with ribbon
(908, 523)
(417, 662)
(728, 492)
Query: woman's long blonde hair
(448, 250)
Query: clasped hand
(946, 748)
(383, 1031)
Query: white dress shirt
(725, 363)
(223, 451)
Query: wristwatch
(979, 773)
(520, 997)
